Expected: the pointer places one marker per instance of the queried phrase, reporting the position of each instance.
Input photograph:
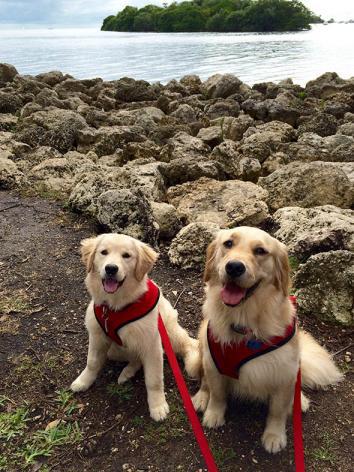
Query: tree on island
(214, 16)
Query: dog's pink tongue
(110, 285)
(232, 294)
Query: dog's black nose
(111, 269)
(235, 268)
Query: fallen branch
(344, 348)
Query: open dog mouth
(111, 285)
(232, 294)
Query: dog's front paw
(273, 442)
(213, 418)
(200, 400)
(159, 413)
(79, 385)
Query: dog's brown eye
(104, 252)
(228, 243)
(260, 251)
(126, 255)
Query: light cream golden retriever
(117, 268)
(247, 285)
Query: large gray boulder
(221, 86)
(183, 145)
(128, 212)
(7, 73)
(53, 127)
(307, 231)
(227, 204)
(188, 248)
(166, 217)
(10, 175)
(307, 185)
(325, 287)
(182, 170)
(233, 164)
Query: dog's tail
(317, 367)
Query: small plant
(66, 401)
(223, 455)
(294, 263)
(302, 95)
(123, 392)
(13, 423)
(325, 451)
(16, 303)
(42, 443)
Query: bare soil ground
(43, 347)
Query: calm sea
(86, 53)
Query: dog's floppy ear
(88, 249)
(209, 261)
(146, 258)
(282, 269)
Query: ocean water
(253, 57)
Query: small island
(214, 16)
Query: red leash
(187, 402)
(297, 427)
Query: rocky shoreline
(175, 162)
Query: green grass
(22, 446)
(325, 452)
(13, 423)
(66, 401)
(42, 443)
(294, 263)
(302, 95)
(123, 392)
(174, 427)
(16, 303)
(223, 455)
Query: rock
(263, 140)
(324, 85)
(51, 78)
(185, 114)
(233, 164)
(325, 285)
(188, 248)
(346, 129)
(140, 150)
(10, 176)
(52, 127)
(130, 90)
(236, 128)
(107, 139)
(192, 83)
(221, 86)
(185, 169)
(322, 124)
(274, 162)
(147, 178)
(307, 185)
(230, 203)
(9, 102)
(7, 73)
(166, 217)
(7, 122)
(128, 212)
(222, 108)
(183, 145)
(307, 231)
(40, 154)
(211, 136)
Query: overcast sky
(91, 12)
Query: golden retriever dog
(247, 304)
(117, 268)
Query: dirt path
(43, 346)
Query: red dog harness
(111, 321)
(229, 358)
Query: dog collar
(111, 321)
